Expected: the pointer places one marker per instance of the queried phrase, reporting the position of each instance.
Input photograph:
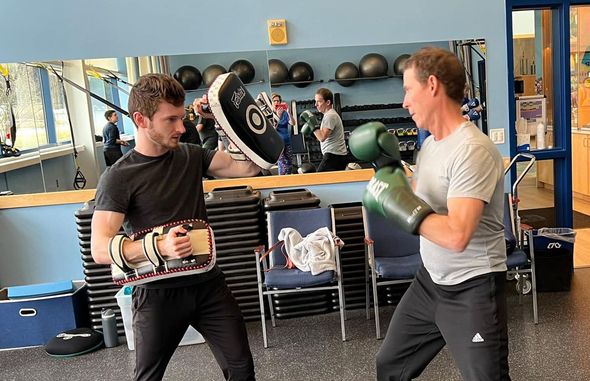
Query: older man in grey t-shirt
(465, 164)
(458, 298)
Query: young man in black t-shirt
(158, 182)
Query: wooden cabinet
(545, 174)
(580, 168)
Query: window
(533, 78)
(100, 88)
(60, 113)
(27, 103)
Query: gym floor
(310, 348)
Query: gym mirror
(360, 99)
(367, 85)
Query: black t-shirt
(110, 135)
(191, 135)
(208, 133)
(152, 191)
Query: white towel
(316, 252)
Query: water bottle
(109, 328)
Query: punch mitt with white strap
(242, 121)
(156, 267)
(265, 103)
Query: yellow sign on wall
(277, 31)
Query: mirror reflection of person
(201, 107)
(191, 135)
(156, 183)
(207, 131)
(112, 138)
(285, 161)
(330, 134)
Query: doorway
(545, 124)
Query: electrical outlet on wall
(497, 135)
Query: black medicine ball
(189, 77)
(211, 72)
(243, 69)
(346, 74)
(277, 71)
(373, 65)
(399, 63)
(300, 72)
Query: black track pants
(161, 317)
(470, 318)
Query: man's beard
(157, 137)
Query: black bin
(554, 258)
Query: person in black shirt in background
(190, 134)
(207, 131)
(112, 139)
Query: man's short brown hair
(108, 114)
(325, 94)
(152, 89)
(442, 64)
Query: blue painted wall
(24, 180)
(181, 27)
(40, 244)
(71, 29)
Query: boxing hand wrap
(242, 121)
(372, 143)
(156, 266)
(390, 195)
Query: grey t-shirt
(464, 164)
(335, 142)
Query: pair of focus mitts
(156, 266)
(244, 123)
(389, 192)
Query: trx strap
(79, 179)
(97, 97)
(114, 76)
(97, 75)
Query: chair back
(509, 233)
(389, 240)
(305, 221)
